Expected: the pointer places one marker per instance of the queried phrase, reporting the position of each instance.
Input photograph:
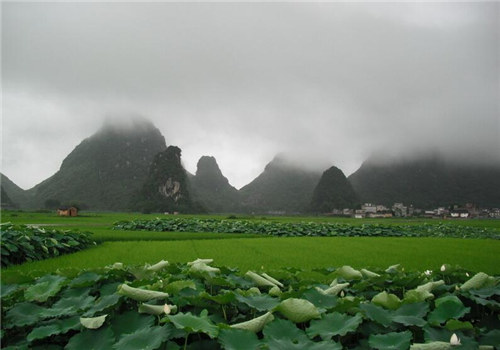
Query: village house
(67, 211)
(459, 213)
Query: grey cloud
(330, 82)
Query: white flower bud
(455, 340)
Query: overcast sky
(331, 83)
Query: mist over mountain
(105, 170)
(333, 192)
(166, 187)
(212, 189)
(428, 181)
(282, 187)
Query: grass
(273, 253)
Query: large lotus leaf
(272, 280)
(348, 273)
(261, 302)
(238, 339)
(102, 339)
(389, 301)
(390, 341)
(140, 294)
(411, 314)
(422, 292)
(23, 314)
(55, 327)
(145, 339)
(447, 307)
(432, 334)
(221, 281)
(334, 290)
(157, 309)
(283, 329)
(93, 322)
(259, 280)
(85, 279)
(298, 310)
(348, 304)
(275, 291)
(195, 324)
(222, 298)
(455, 325)
(131, 321)
(44, 288)
(8, 289)
(287, 344)
(320, 300)
(492, 304)
(283, 335)
(477, 281)
(436, 345)
(75, 303)
(109, 288)
(334, 324)
(491, 338)
(377, 313)
(176, 286)
(76, 292)
(158, 266)
(202, 268)
(369, 274)
(103, 303)
(200, 261)
(486, 292)
(393, 269)
(256, 324)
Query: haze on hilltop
(325, 83)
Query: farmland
(341, 280)
(248, 250)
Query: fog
(325, 83)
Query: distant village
(370, 210)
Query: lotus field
(272, 284)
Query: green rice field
(248, 251)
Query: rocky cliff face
(333, 192)
(283, 187)
(166, 187)
(105, 170)
(212, 189)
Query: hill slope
(281, 187)
(212, 189)
(333, 192)
(12, 195)
(105, 170)
(427, 183)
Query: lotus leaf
(334, 324)
(145, 339)
(389, 301)
(140, 294)
(256, 324)
(298, 310)
(93, 322)
(390, 341)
